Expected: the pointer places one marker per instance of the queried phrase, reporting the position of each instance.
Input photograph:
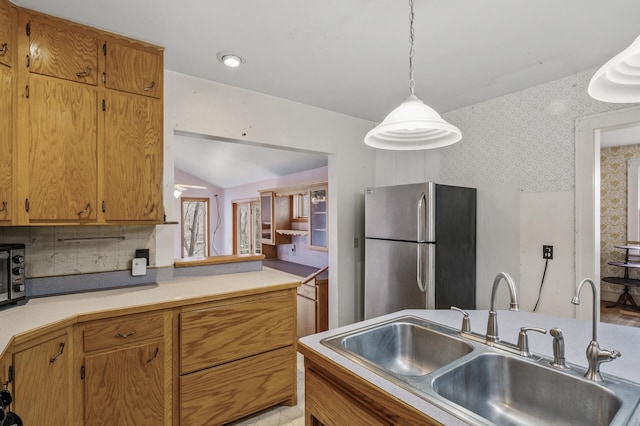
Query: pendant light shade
(412, 126)
(618, 81)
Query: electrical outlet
(547, 252)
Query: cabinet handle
(86, 209)
(3, 49)
(104, 206)
(28, 61)
(26, 205)
(154, 356)
(153, 207)
(86, 72)
(147, 88)
(4, 207)
(125, 335)
(55, 358)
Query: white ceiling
(352, 56)
(230, 164)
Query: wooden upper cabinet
(61, 51)
(6, 143)
(62, 151)
(7, 31)
(133, 70)
(132, 158)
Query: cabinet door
(133, 158)
(318, 219)
(7, 26)
(125, 387)
(58, 50)
(6, 143)
(42, 383)
(133, 70)
(62, 151)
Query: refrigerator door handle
(422, 286)
(421, 217)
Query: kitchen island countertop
(577, 335)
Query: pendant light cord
(412, 82)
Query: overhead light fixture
(413, 125)
(618, 81)
(179, 188)
(230, 59)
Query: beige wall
(613, 214)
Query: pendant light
(618, 81)
(413, 125)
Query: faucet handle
(523, 339)
(466, 322)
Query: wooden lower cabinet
(237, 357)
(125, 387)
(126, 370)
(335, 396)
(42, 383)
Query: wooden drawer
(59, 50)
(225, 333)
(308, 291)
(110, 333)
(220, 394)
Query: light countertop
(577, 335)
(46, 311)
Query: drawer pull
(84, 73)
(125, 335)
(154, 356)
(3, 49)
(147, 88)
(55, 358)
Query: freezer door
(403, 212)
(398, 275)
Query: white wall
(209, 108)
(519, 151)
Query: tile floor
(283, 415)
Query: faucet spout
(595, 355)
(492, 324)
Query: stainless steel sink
(407, 346)
(485, 385)
(507, 390)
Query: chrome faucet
(492, 324)
(595, 355)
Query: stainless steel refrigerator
(420, 248)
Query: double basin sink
(483, 385)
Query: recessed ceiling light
(230, 59)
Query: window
(247, 226)
(195, 227)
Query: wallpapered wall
(613, 211)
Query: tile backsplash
(72, 250)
